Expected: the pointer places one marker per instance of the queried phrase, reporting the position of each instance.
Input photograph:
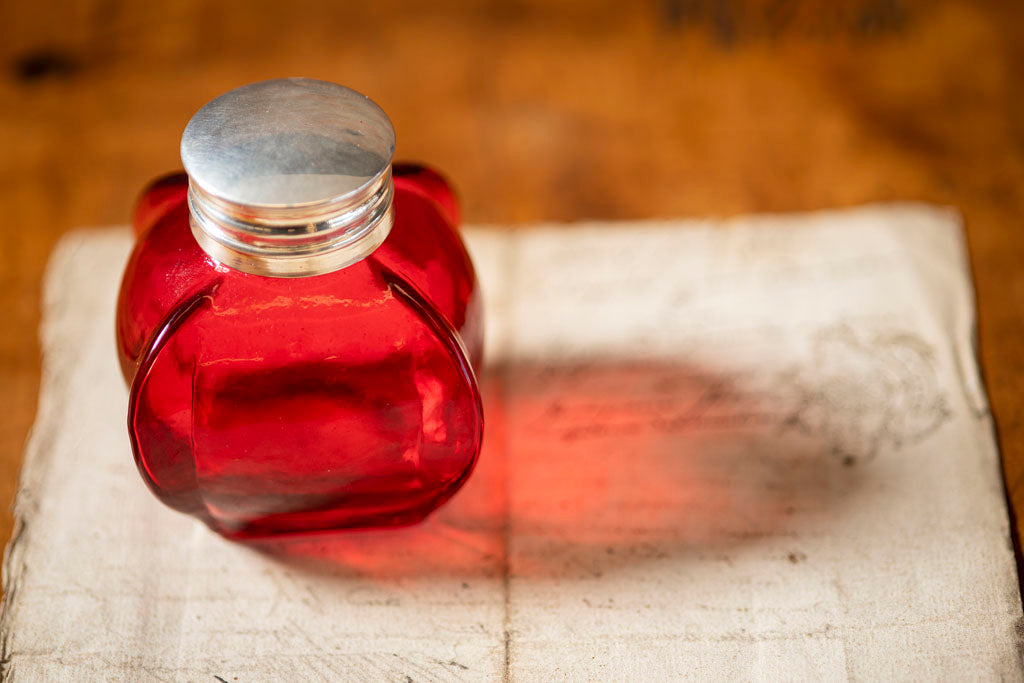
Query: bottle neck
(297, 240)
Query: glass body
(267, 405)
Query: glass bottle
(299, 321)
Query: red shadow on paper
(589, 467)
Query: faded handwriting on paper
(857, 394)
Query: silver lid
(289, 177)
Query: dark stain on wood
(45, 63)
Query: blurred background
(540, 111)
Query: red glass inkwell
(299, 321)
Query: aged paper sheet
(754, 450)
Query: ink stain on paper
(864, 393)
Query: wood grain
(541, 111)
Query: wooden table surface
(541, 111)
